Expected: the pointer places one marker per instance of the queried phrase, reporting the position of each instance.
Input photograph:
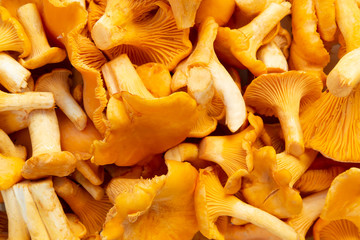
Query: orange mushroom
(220, 11)
(145, 30)
(325, 12)
(41, 52)
(285, 95)
(13, 36)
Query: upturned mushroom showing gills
(145, 30)
(159, 203)
(268, 188)
(13, 36)
(331, 126)
(57, 82)
(41, 52)
(285, 95)
(244, 42)
(211, 202)
(141, 125)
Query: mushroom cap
(141, 127)
(220, 11)
(49, 164)
(10, 171)
(145, 30)
(53, 55)
(289, 90)
(339, 229)
(13, 34)
(333, 118)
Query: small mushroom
(145, 30)
(47, 158)
(91, 212)
(13, 76)
(13, 36)
(211, 202)
(285, 95)
(41, 52)
(17, 228)
(57, 83)
(244, 42)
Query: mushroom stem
(120, 75)
(290, 125)
(17, 229)
(260, 218)
(41, 52)
(96, 192)
(50, 210)
(44, 131)
(272, 56)
(13, 76)
(57, 83)
(25, 101)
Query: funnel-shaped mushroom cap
(316, 180)
(10, 171)
(342, 200)
(142, 127)
(244, 42)
(211, 202)
(164, 204)
(41, 52)
(348, 21)
(268, 188)
(91, 212)
(333, 118)
(285, 95)
(13, 36)
(325, 12)
(335, 230)
(221, 11)
(184, 12)
(145, 30)
(233, 152)
(295, 165)
(345, 76)
(307, 50)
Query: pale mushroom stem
(260, 218)
(13, 76)
(30, 19)
(44, 132)
(120, 75)
(272, 56)
(26, 101)
(16, 225)
(293, 135)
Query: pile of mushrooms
(179, 119)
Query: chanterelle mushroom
(285, 95)
(212, 202)
(41, 52)
(145, 30)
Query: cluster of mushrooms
(179, 119)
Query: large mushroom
(285, 95)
